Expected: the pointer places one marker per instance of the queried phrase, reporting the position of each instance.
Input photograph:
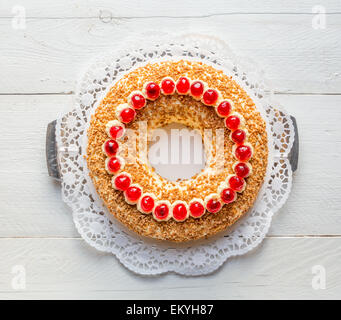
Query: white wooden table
(39, 66)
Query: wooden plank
(31, 202)
(68, 268)
(49, 55)
(137, 8)
(314, 203)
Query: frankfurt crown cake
(202, 98)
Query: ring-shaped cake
(198, 96)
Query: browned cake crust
(193, 113)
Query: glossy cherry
(210, 97)
(224, 108)
(197, 89)
(238, 136)
(161, 211)
(114, 164)
(147, 204)
(242, 170)
(180, 212)
(116, 132)
(152, 90)
(183, 85)
(243, 153)
(133, 193)
(127, 115)
(213, 205)
(236, 183)
(167, 86)
(232, 122)
(228, 195)
(122, 182)
(111, 147)
(197, 209)
(138, 101)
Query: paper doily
(91, 218)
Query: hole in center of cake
(176, 152)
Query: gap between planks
(311, 236)
(170, 17)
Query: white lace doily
(91, 218)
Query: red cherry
(152, 90)
(224, 108)
(238, 136)
(228, 195)
(232, 122)
(236, 183)
(210, 97)
(180, 212)
(116, 132)
(114, 164)
(147, 204)
(183, 85)
(168, 86)
(138, 101)
(122, 182)
(161, 211)
(213, 205)
(127, 115)
(196, 209)
(133, 193)
(197, 88)
(243, 153)
(242, 170)
(111, 147)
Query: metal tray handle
(52, 151)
